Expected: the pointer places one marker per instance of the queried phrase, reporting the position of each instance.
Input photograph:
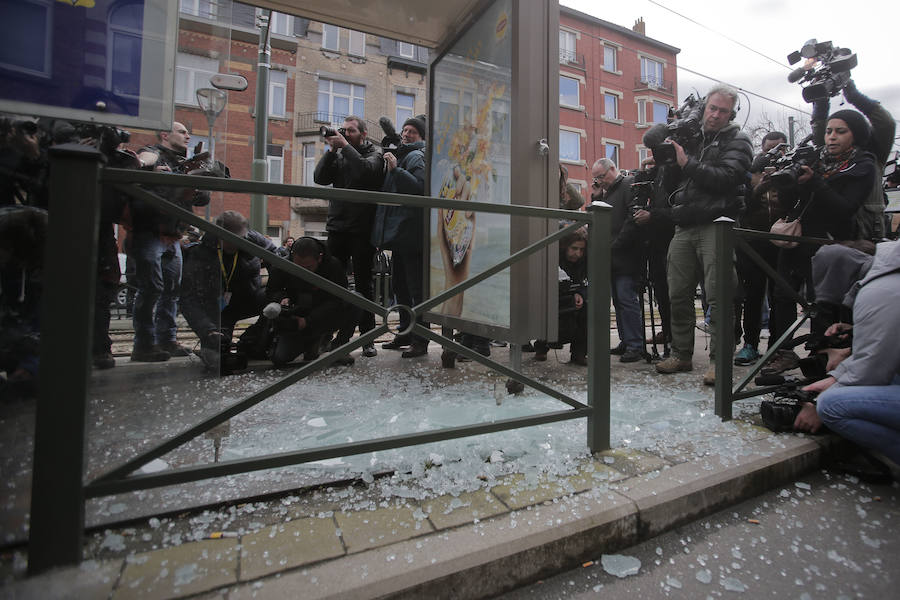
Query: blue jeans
(868, 415)
(158, 281)
(628, 311)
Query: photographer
(352, 162)
(625, 255)
(860, 398)
(222, 285)
(154, 245)
(711, 175)
(308, 316)
(572, 300)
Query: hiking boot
(152, 354)
(398, 343)
(674, 365)
(414, 351)
(784, 360)
(618, 350)
(104, 361)
(709, 378)
(631, 355)
(746, 356)
(369, 351)
(175, 349)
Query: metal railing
(58, 492)
(309, 122)
(651, 82)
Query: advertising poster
(471, 162)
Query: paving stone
(632, 462)
(180, 571)
(452, 511)
(288, 545)
(385, 525)
(90, 579)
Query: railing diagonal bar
(769, 271)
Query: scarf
(830, 165)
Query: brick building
(614, 83)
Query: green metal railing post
(724, 317)
(57, 496)
(598, 327)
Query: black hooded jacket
(306, 299)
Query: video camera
(685, 127)
(391, 140)
(780, 413)
(788, 165)
(826, 71)
(891, 172)
(641, 190)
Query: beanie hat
(857, 123)
(419, 123)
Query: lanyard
(228, 276)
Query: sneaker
(674, 365)
(152, 354)
(709, 378)
(746, 356)
(578, 359)
(631, 355)
(703, 325)
(618, 350)
(104, 361)
(415, 351)
(175, 349)
(398, 343)
(369, 351)
(784, 360)
(764, 333)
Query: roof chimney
(640, 27)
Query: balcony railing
(569, 57)
(309, 122)
(652, 82)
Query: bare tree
(765, 123)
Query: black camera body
(788, 166)
(685, 127)
(326, 131)
(780, 413)
(826, 72)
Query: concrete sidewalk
(513, 531)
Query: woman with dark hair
(826, 200)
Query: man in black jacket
(353, 162)
(308, 315)
(222, 285)
(625, 248)
(711, 183)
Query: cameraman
(625, 251)
(353, 162)
(860, 398)
(710, 182)
(154, 245)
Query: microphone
(796, 75)
(387, 126)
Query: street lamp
(212, 101)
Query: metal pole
(57, 495)
(211, 120)
(598, 327)
(258, 217)
(791, 131)
(724, 317)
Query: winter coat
(145, 218)
(203, 283)
(306, 299)
(400, 227)
(625, 237)
(711, 183)
(351, 168)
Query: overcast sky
(772, 27)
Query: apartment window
(609, 58)
(27, 30)
(568, 91)
(275, 163)
(281, 24)
(651, 72)
(405, 104)
(652, 112)
(500, 123)
(192, 73)
(454, 107)
(610, 106)
(611, 151)
(309, 163)
(338, 99)
(569, 145)
(124, 59)
(566, 46)
(200, 8)
(331, 37)
(357, 43)
(277, 93)
(643, 154)
(406, 50)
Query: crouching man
(306, 316)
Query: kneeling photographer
(860, 398)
